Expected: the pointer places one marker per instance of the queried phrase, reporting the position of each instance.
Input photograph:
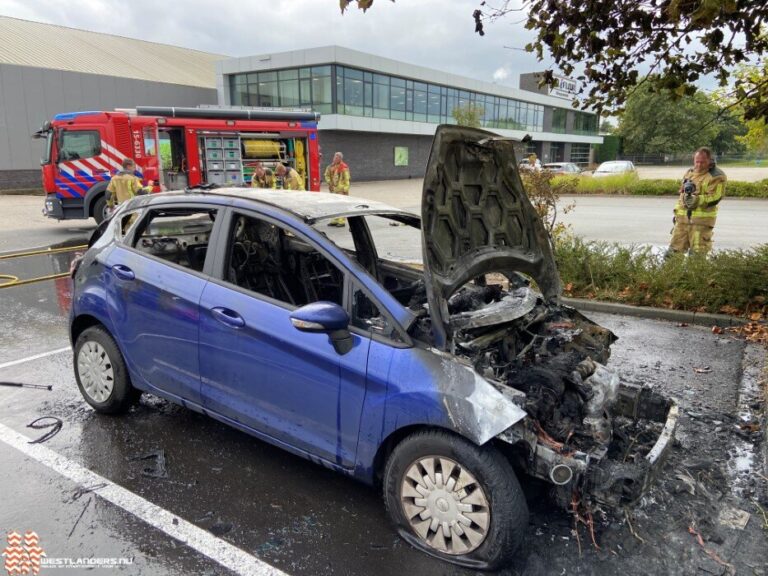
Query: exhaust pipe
(560, 474)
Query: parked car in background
(615, 168)
(563, 168)
(429, 379)
(525, 164)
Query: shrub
(727, 281)
(658, 187)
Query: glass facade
(337, 89)
(584, 123)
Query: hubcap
(96, 372)
(445, 505)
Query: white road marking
(204, 542)
(35, 357)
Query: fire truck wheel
(101, 373)
(100, 209)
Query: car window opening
(178, 236)
(269, 260)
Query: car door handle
(228, 317)
(123, 272)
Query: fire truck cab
(174, 147)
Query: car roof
(309, 206)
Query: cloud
(501, 74)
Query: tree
(469, 115)
(604, 42)
(655, 123)
(755, 138)
(607, 127)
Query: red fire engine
(175, 147)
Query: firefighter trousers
(688, 237)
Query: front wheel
(101, 373)
(454, 500)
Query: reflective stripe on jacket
(711, 189)
(337, 177)
(123, 186)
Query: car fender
(446, 393)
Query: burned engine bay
(585, 429)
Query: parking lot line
(35, 357)
(218, 550)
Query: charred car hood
(477, 219)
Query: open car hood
(477, 219)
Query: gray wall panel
(14, 99)
(371, 155)
(29, 96)
(5, 151)
(34, 93)
(73, 91)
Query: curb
(682, 316)
(23, 192)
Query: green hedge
(726, 281)
(658, 187)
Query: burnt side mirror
(325, 317)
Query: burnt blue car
(414, 354)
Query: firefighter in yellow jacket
(291, 179)
(125, 185)
(337, 178)
(702, 190)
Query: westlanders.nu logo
(23, 556)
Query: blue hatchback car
(411, 353)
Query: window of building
(584, 123)
(580, 153)
(559, 117)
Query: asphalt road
(628, 220)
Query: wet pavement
(305, 520)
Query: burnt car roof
(309, 206)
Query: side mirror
(325, 317)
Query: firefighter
(125, 185)
(701, 191)
(337, 177)
(262, 177)
(290, 178)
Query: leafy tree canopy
(605, 42)
(655, 122)
(469, 115)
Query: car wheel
(455, 500)
(101, 373)
(100, 209)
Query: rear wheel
(455, 500)
(101, 373)
(100, 209)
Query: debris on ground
(43, 422)
(158, 470)
(25, 385)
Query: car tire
(100, 209)
(486, 537)
(101, 373)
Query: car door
(259, 371)
(155, 282)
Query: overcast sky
(434, 33)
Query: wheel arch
(396, 437)
(81, 323)
(92, 196)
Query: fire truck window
(274, 262)
(76, 144)
(178, 235)
(150, 143)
